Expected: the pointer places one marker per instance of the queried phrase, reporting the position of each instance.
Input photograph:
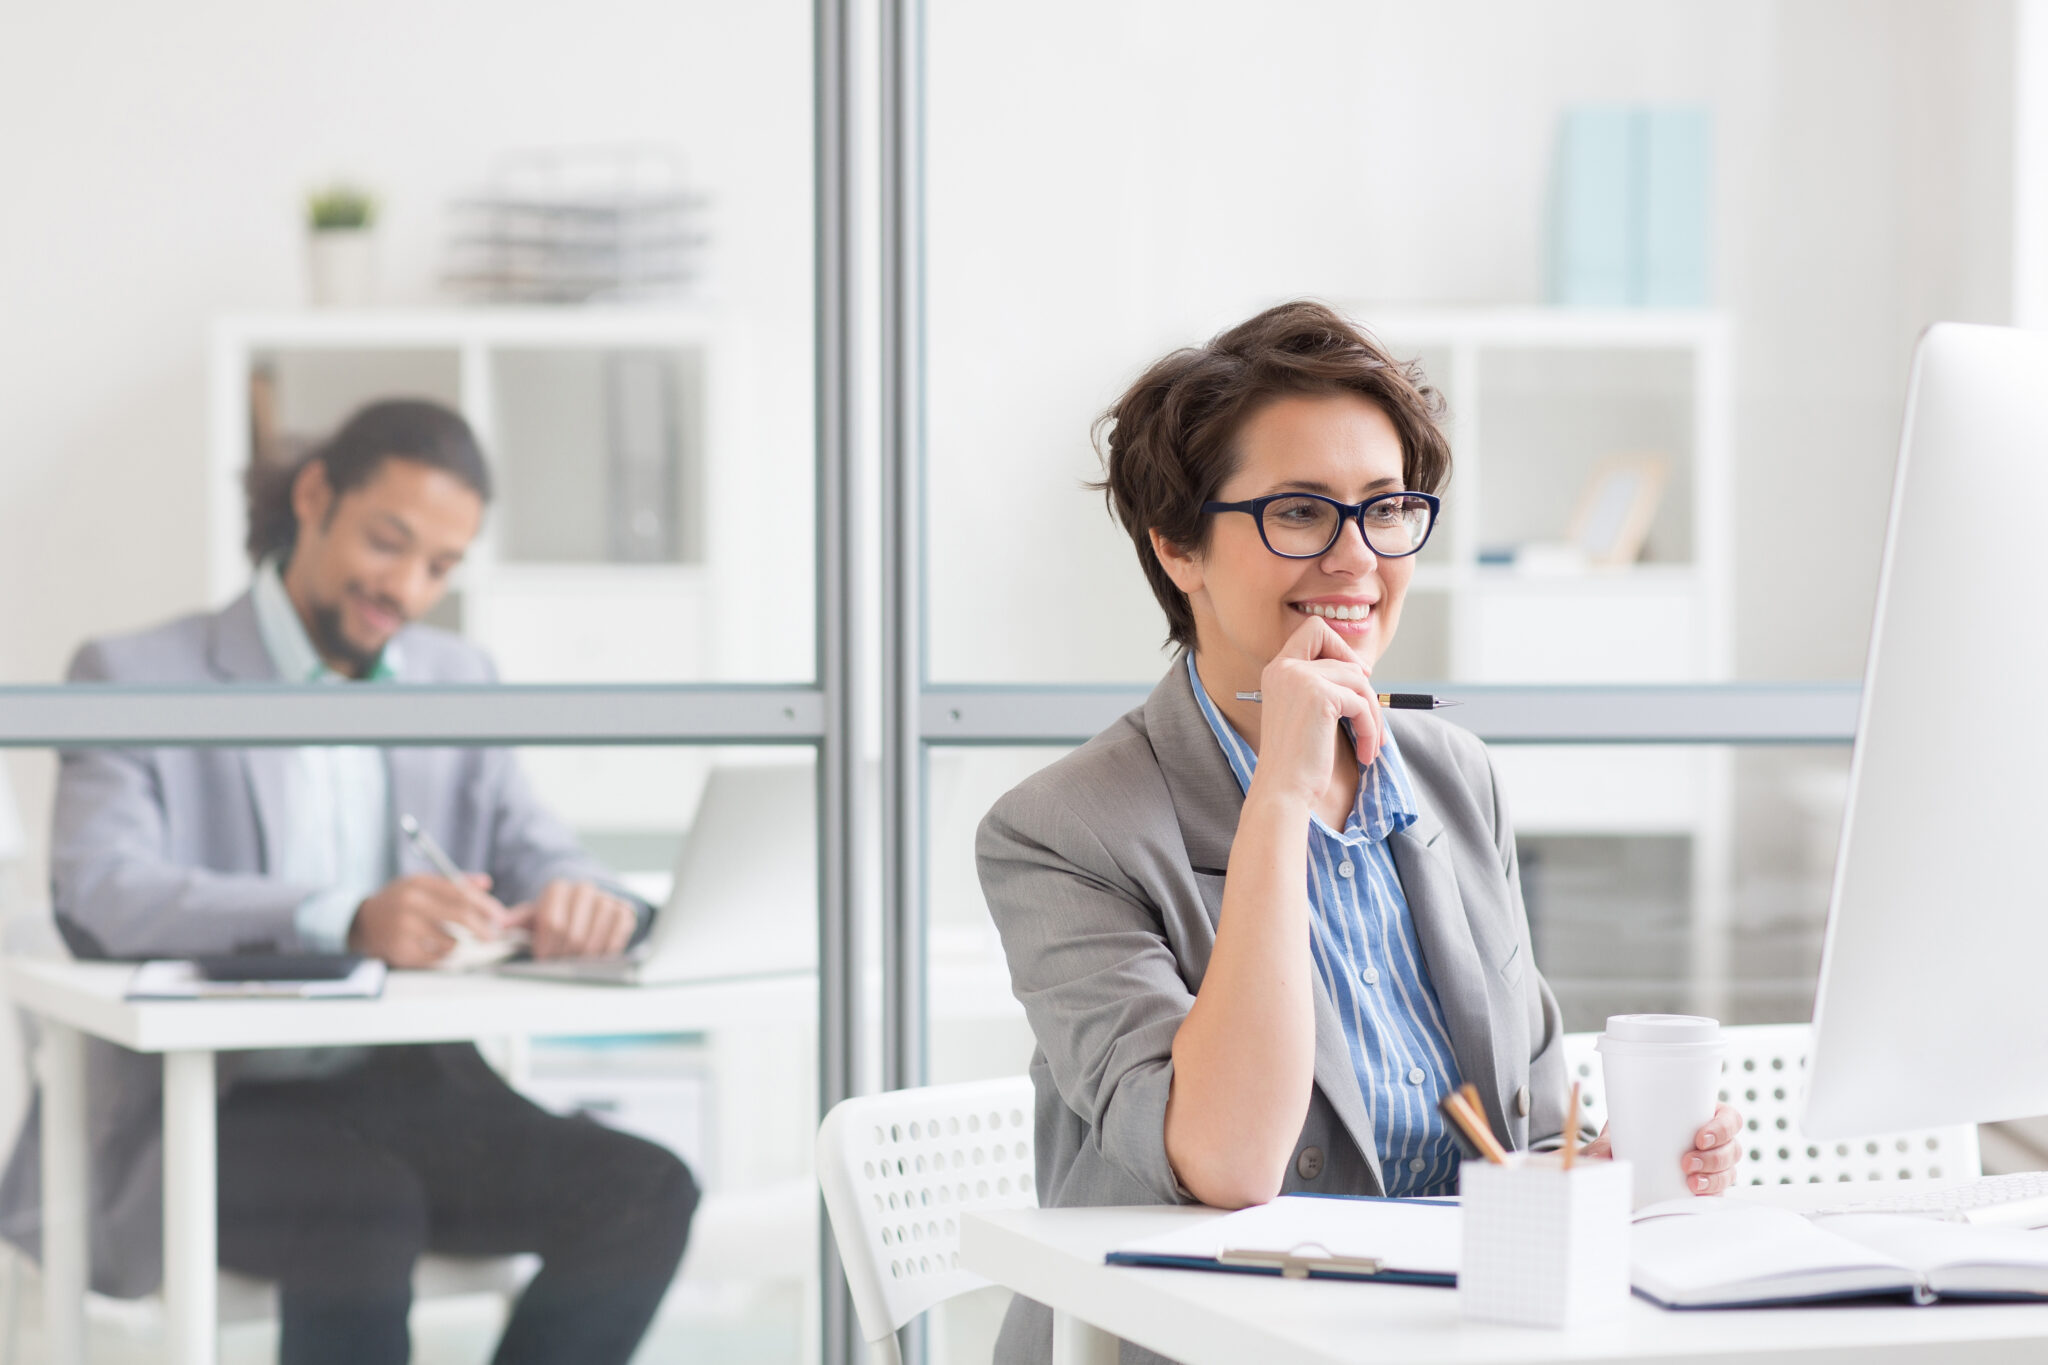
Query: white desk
(73, 1000)
(1055, 1256)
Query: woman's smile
(1351, 617)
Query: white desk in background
(71, 1000)
(1201, 1318)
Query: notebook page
(1420, 1238)
(1955, 1258)
(1727, 1252)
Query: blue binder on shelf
(1632, 207)
(1304, 1236)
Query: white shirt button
(1372, 976)
(1416, 1163)
(1344, 869)
(1415, 1075)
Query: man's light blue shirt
(1362, 938)
(340, 834)
(340, 838)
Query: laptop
(745, 899)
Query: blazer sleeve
(530, 846)
(1091, 964)
(1549, 1085)
(114, 889)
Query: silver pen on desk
(1395, 701)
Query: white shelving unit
(1538, 397)
(548, 620)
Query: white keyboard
(2018, 1201)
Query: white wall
(1111, 181)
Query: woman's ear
(1182, 566)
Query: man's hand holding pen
(406, 923)
(415, 926)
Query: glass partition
(553, 225)
(720, 842)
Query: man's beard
(333, 642)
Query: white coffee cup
(1662, 1073)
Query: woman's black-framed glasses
(1306, 525)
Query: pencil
(1473, 1121)
(1571, 1127)
(1393, 701)
(1466, 1145)
(1451, 1109)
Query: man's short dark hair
(1172, 438)
(414, 429)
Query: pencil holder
(1543, 1246)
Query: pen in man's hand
(430, 850)
(1394, 701)
(511, 940)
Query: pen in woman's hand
(1397, 701)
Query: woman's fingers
(1329, 644)
(1721, 1129)
(1363, 711)
(1310, 640)
(1712, 1160)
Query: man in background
(340, 1166)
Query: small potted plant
(341, 261)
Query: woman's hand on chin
(1311, 684)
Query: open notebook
(1724, 1253)
(1689, 1253)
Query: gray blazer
(1104, 873)
(164, 853)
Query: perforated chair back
(1762, 1076)
(898, 1170)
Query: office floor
(732, 1324)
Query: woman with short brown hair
(1259, 925)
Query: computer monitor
(1933, 1001)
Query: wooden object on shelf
(1617, 506)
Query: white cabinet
(1539, 400)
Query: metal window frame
(1649, 713)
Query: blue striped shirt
(1362, 939)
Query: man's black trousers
(333, 1188)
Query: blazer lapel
(1207, 802)
(236, 654)
(1206, 798)
(1431, 885)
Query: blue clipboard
(1306, 1258)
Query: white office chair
(898, 1170)
(1762, 1076)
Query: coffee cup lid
(1681, 1031)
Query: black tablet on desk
(278, 966)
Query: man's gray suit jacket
(1104, 873)
(166, 853)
